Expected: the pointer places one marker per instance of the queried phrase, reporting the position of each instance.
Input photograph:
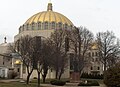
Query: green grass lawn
(17, 84)
(32, 83)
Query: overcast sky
(96, 15)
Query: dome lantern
(49, 7)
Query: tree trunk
(105, 66)
(104, 71)
(45, 70)
(28, 77)
(61, 72)
(60, 75)
(38, 79)
(44, 76)
(56, 75)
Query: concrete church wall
(50, 75)
(44, 33)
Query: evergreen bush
(58, 82)
(92, 76)
(112, 76)
(88, 83)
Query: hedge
(58, 82)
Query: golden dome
(49, 16)
(94, 46)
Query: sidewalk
(74, 84)
(10, 80)
(70, 85)
(67, 85)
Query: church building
(43, 24)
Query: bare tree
(46, 58)
(109, 48)
(23, 48)
(32, 50)
(59, 61)
(36, 49)
(6, 55)
(80, 41)
(42, 56)
(64, 64)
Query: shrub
(112, 76)
(92, 76)
(13, 75)
(58, 82)
(35, 78)
(88, 83)
(2, 77)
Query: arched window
(46, 25)
(39, 25)
(59, 25)
(89, 54)
(66, 26)
(33, 26)
(53, 25)
(98, 68)
(71, 26)
(91, 68)
(92, 54)
(96, 54)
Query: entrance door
(3, 73)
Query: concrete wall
(44, 33)
(3, 72)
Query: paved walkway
(67, 85)
(70, 85)
(49, 85)
(10, 80)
